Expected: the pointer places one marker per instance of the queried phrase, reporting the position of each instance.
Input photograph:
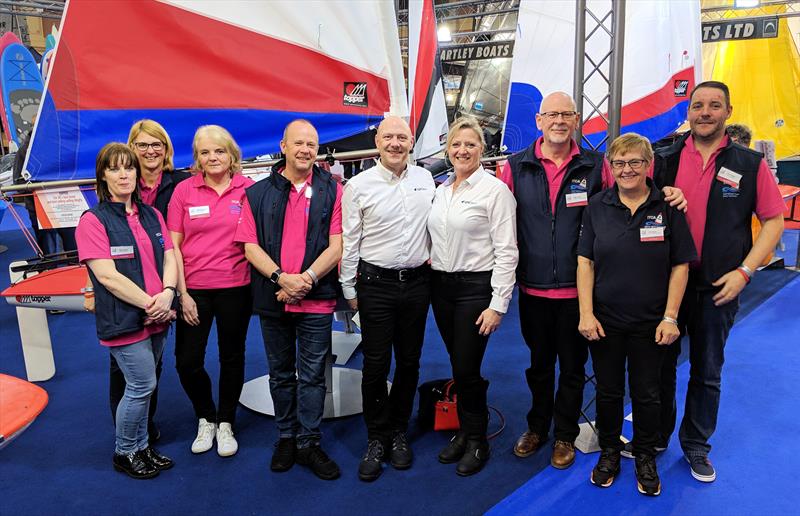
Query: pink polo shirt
(555, 175)
(695, 180)
(211, 258)
(93, 244)
(147, 193)
(293, 245)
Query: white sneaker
(205, 436)
(226, 443)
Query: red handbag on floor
(446, 412)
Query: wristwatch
(174, 291)
(275, 276)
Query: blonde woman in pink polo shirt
(213, 281)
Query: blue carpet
(755, 448)
(62, 462)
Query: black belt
(464, 275)
(394, 274)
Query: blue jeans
(299, 399)
(138, 364)
(708, 327)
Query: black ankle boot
(454, 449)
(475, 457)
(134, 465)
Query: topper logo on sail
(355, 94)
(680, 88)
(26, 300)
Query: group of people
(618, 256)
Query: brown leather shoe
(527, 444)
(563, 455)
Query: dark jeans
(458, 299)
(708, 327)
(550, 329)
(393, 315)
(297, 346)
(231, 307)
(644, 357)
(116, 389)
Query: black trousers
(550, 329)
(458, 299)
(116, 389)
(393, 316)
(231, 307)
(644, 357)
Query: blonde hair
(156, 130)
(220, 136)
(465, 122)
(630, 142)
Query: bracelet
(88, 295)
(173, 289)
(744, 273)
(670, 320)
(747, 270)
(87, 289)
(313, 275)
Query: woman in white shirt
(474, 255)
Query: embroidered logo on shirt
(654, 220)
(235, 207)
(160, 239)
(729, 192)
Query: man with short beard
(724, 184)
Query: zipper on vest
(553, 242)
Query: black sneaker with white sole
(607, 468)
(647, 480)
(702, 469)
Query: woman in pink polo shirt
(134, 272)
(213, 281)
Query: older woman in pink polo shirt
(214, 283)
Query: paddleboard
(22, 86)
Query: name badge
(199, 212)
(729, 177)
(651, 234)
(122, 251)
(577, 199)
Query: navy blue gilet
(548, 241)
(268, 200)
(115, 317)
(727, 235)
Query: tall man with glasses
(725, 183)
(385, 275)
(552, 181)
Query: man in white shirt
(385, 275)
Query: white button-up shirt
(384, 221)
(475, 229)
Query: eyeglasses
(142, 146)
(635, 164)
(566, 115)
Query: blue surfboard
(21, 84)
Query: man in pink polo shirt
(552, 181)
(291, 227)
(724, 184)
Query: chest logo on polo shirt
(160, 239)
(577, 195)
(235, 207)
(729, 192)
(653, 229)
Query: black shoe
(134, 465)
(158, 461)
(475, 457)
(454, 450)
(607, 468)
(284, 455)
(371, 465)
(647, 475)
(153, 433)
(401, 456)
(319, 462)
